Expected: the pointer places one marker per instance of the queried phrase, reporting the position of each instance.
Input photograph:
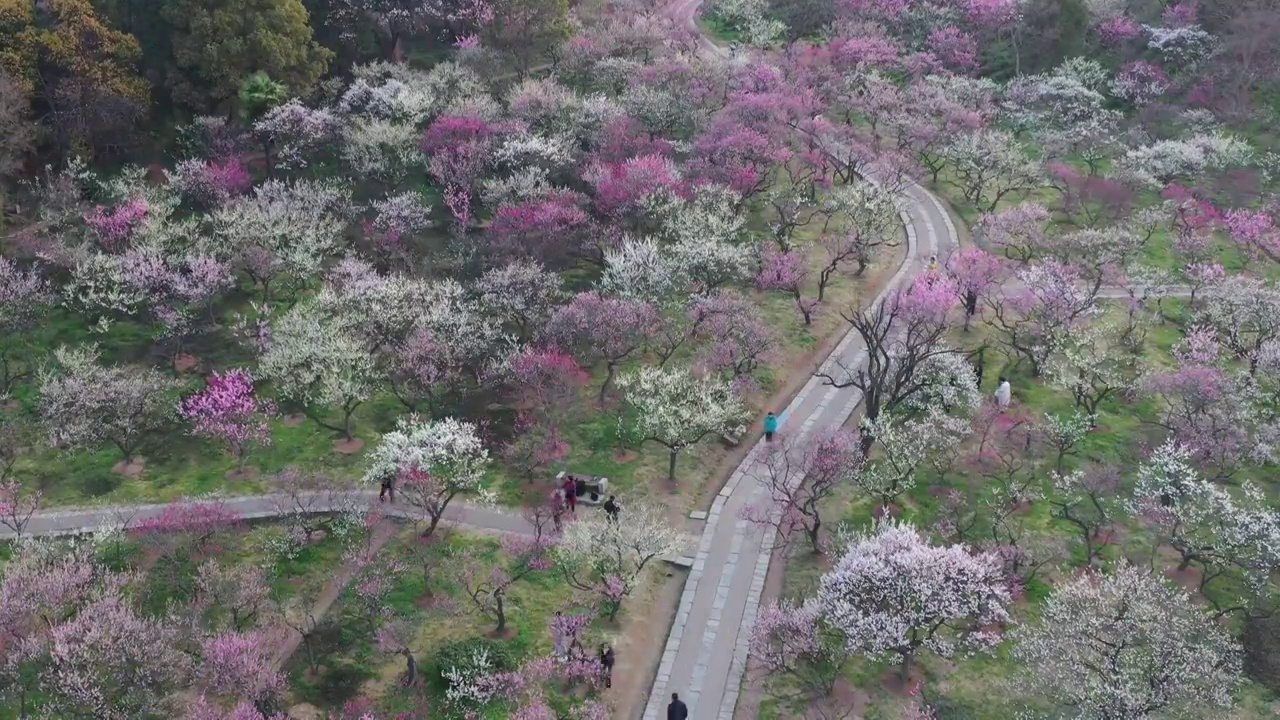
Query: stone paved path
(81, 521)
(706, 650)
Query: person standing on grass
(388, 490)
(606, 665)
(677, 710)
(571, 493)
(770, 426)
(1003, 394)
(612, 508)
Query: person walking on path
(677, 709)
(557, 509)
(388, 490)
(571, 493)
(770, 426)
(612, 508)
(1003, 394)
(606, 665)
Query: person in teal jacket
(770, 426)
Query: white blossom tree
(989, 165)
(1183, 159)
(891, 593)
(1127, 645)
(1245, 314)
(904, 446)
(281, 231)
(676, 409)
(431, 462)
(1093, 366)
(84, 403)
(609, 558)
(314, 361)
(1220, 533)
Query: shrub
(459, 654)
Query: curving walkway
(86, 521)
(706, 651)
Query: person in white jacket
(1003, 394)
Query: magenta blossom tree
(228, 410)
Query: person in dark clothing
(606, 665)
(388, 490)
(571, 493)
(677, 709)
(612, 508)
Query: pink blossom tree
(113, 227)
(975, 273)
(1021, 232)
(487, 582)
(17, 505)
(240, 665)
(1035, 317)
(733, 337)
(799, 474)
(546, 385)
(891, 593)
(788, 271)
(903, 334)
(228, 410)
(596, 328)
(553, 229)
(24, 299)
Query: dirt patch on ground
(348, 447)
(132, 467)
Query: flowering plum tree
(1088, 500)
(1207, 525)
(1036, 318)
(1021, 232)
(314, 361)
(281, 231)
(1126, 645)
(597, 328)
(431, 462)
(24, 299)
(988, 166)
(903, 334)
(227, 410)
(891, 593)
(1094, 365)
(608, 558)
(84, 404)
(487, 581)
(240, 665)
(787, 271)
(800, 473)
(677, 409)
(975, 273)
